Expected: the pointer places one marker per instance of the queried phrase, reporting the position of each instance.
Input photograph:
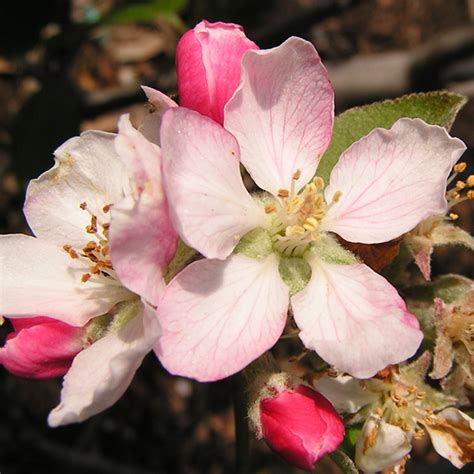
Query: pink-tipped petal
(208, 59)
(218, 316)
(40, 347)
(282, 114)
(140, 157)
(39, 277)
(142, 243)
(391, 180)
(87, 169)
(354, 319)
(101, 373)
(210, 207)
(159, 103)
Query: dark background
(67, 66)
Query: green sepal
(295, 272)
(255, 244)
(330, 250)
(344, 462)
(112, 321)
(436, 108)
(183, 256)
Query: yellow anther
(470, 180)
(296, 175)
(460, 167)
(270, 208)
(90, 247)
(106, 208)
(312, 221)
(460, 184)
(453, 216)
(83, 205)
(420, 395)
(318, 182)
(284, 193)
(470, 194)
(311, 188)
(294, 229)
(295, 201)
(85, 277)
(337, 196)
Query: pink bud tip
(300, 425)
(40, 347)
(208, 61)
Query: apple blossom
(41, 347)
(297, 422)
(102, 242)
(260, 252)
(397, 407)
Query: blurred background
(68, 66)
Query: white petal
(391, 180)
(218, 316)
(210, 207)
(380, 445)
(38, 277)
(452, 435)
(282, 113)
(87, 169)
(101, 373)
(354, 319)
(150, 127)
(348, 395)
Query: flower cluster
(148, 239)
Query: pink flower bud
(208, 61)
(40, 347)
(300, 425)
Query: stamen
(460, 184)
(92, 228)
(85, 277)
(318, 182)
(72, 253)
(470, 180)
(83, 205)
(460, 167)
(269, 208)
(284, 193)
(337, 196)
(470, 194)
(453, 216)
(297, 175)
(106, 208)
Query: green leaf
(436, 108)
(145, 11)
(344, 462)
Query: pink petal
(391, 180)
(101, 373)
(354, 319)
(87, 170)
(140, 157)
(142, 243)
(40, 348)
(218, 316)
(210, 206)
(282, 113)
(39, 277)
(208, 59)
(160, 103)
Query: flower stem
(242, 439)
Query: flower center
(297, 217)
(95, 252)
